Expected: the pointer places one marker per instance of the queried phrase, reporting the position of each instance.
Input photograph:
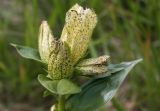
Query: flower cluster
(65, 55)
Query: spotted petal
(78, 30)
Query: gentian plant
(65, 61)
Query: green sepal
(27, 52)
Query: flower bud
(93, 65)
(90, 70)
(78, 30)
(60, 64)
(45, 40)
(102, 60)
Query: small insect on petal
(45, 41)
(78, 30)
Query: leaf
(115, 68)
(27, 52)
(61, 87)
(65, 86)
(47, 93)
(97, 92)
(49, 84)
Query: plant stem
(61, 103)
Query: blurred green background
(127, 29)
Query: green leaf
(65, 86)
(61, 87)
(49, 84)
(115, 68)
(27, 52)
(47, 93)
(97, 92)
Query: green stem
(61, 103)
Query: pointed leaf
(99, 91)
(27, 52)
(49, 84)
(66, 86)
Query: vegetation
(126, 30)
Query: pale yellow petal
(45, 41)
(78, 30)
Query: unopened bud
(93, 65)
(45, 41)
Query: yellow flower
(62, 56)
(78, 30)
(55, 53)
